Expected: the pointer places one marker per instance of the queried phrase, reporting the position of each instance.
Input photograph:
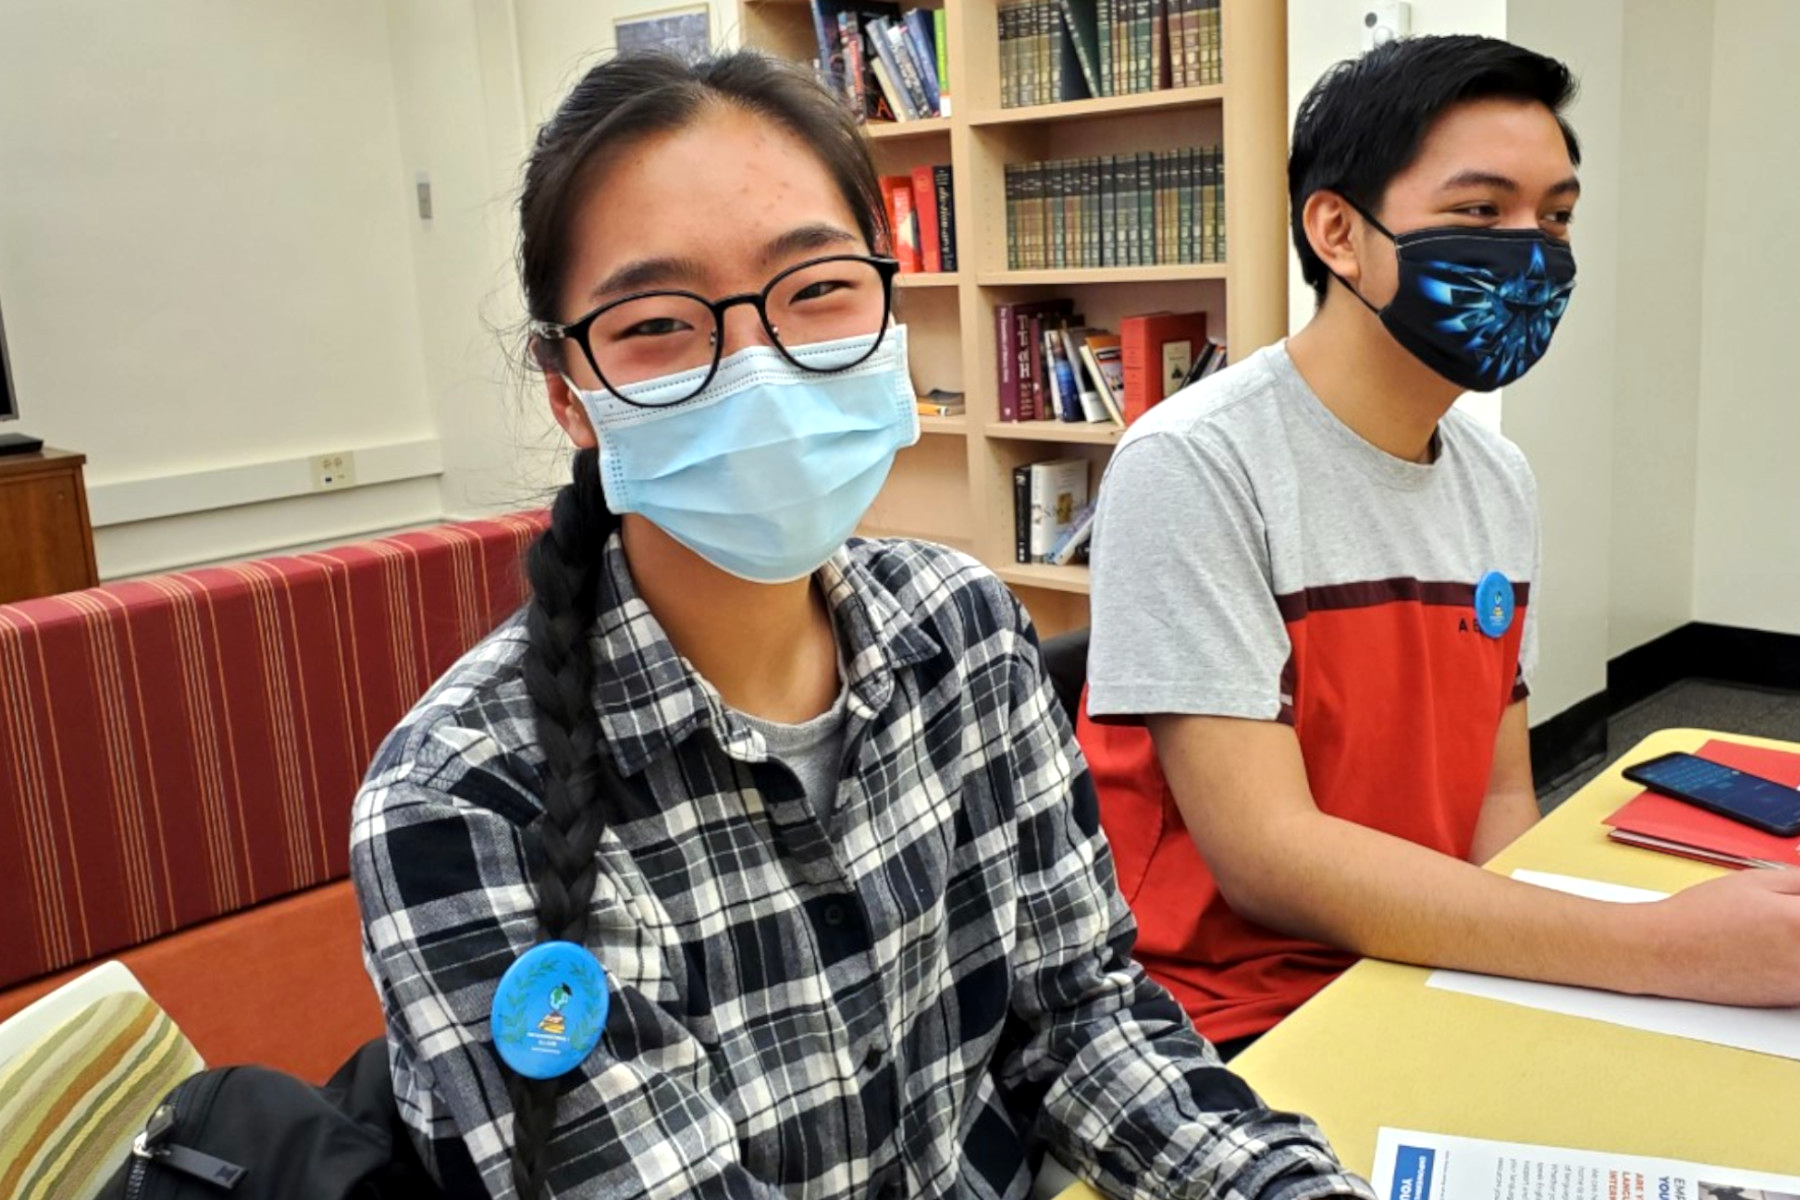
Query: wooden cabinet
(46, 543)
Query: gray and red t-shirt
(1254, 557)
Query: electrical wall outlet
(334, 471)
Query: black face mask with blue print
(1478, 306)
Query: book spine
(908, 70)
(1134, 355)
(1041, 216)
(1008, 72)
(1215, 43)
(1031, 369)
(1107, 213)
(925, 211)
(831, 50)
(1184, 241)
(1022, 513)
(891, 100)
(1040, 513)
(1059, 215)
(917, 27)
(1146, 166)
(940, 30)
(856, 70)
(1105, 26)
(1015, 258)
(1050, 14)
(1221, 247)
(1007, 342)
(906, 231)
(946, 215)
(1159, 44)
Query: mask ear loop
(1368, 216)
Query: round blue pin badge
(550, 1009)
(1494, 604)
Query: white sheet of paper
(1764, 1030)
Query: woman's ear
(566, 407)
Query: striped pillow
(71, 1103)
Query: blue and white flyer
(1433, 1166)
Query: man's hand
(1734, 940)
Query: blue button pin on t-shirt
(1494, 604)
(550, 1009)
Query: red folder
(1676, 827)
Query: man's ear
(1330, 225)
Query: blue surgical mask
(766, 472)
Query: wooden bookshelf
(1170, 100)
(928, 279)
(1055, 431)
(881, 131)
(955, 486)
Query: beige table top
(1379, 1048)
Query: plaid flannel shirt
(917, 995)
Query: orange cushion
(281, 985)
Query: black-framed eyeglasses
(818, 314)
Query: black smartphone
(1760, 803)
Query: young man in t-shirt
(1314, 591)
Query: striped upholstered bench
(178, 757)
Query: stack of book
(1052, 513)
(1052, 51)
(921, 210)
(886, 64)
(1053, 367)
(1120, 210)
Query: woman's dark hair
(617, 103)
(1364, 121)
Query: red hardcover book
(924, 189)
(897, 194)
(1675, 827)
(1141, 341)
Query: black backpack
(250, 1133)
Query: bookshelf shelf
(1038, 575)
(884, 131)
(928, 279)
(1055, 431)
(956, 487)
(1168, 100)
(1170, 273)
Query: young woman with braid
(806, 798)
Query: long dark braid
(613, 106)
(564, 569)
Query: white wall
(1661, 267)
(1747, 529)
(1561, 414)
(461, 122)
(203, 258)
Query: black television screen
(9, 404)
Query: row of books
(921, 209)
(1053, 517)
(1054, 367)
(886, 64)
(1052, 51)
(1120, 210)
